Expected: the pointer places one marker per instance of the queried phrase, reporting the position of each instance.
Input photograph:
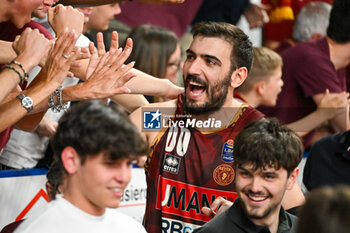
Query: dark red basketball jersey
(188, 169)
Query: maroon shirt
(175, 17)
(307, 71)
(9, 32)
(188, 169)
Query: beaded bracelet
(21, 66)
(19, 74)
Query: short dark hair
(55, 177)
(266, 143)
(92, 127)
(339, 26)
(242, 48)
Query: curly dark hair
(266, 143)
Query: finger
(62, 38)
(122, 90)
(74, 55)
(51, 13)
(208, 212)
(114, 42)
(112, 61)
(100, 44)
(124, 55)
(101, 66)
(70, 43)
(92, 48)
(124, 78)
(217, 203)
(70, 75)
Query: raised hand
(61, 17)
(63, 54)
(106, 73)
(31, 47)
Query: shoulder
(292, 222)
(311, 52)
(219, 224)
(124, 222)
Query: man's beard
(253, 214)
(216, 96)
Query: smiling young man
(191, 159)
(96, 145)
(266, 157)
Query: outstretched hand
(63, 54)
(106, 73)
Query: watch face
(27, 102)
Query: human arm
(31, 46)
(340, 121)
(46, 128)
(256, 15)
(143, 83)
(61, 17)
(129, 101)
(218, 206)
(7, 53)
(102, 2)
(11, 110)
(330, 105)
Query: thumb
(208, 212)
(51, 13)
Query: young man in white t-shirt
(96, 144)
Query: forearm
(130, 102)
(148, 85)
(341, 121)
(88, 2)
(9, 80)
(12, 111)
(304, 125)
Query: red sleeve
(35, 25)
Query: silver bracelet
(60, 106)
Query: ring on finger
(66, 56)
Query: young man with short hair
(266, 157)
(96, 144)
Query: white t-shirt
(63, 217)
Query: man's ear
(70, 159)
(238, 76)
(292, 178)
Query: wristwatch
(26, 102)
